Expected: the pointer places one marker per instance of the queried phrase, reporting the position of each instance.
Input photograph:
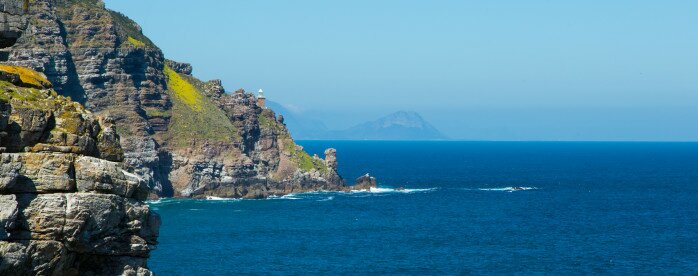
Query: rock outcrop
(67, 207)
(365, 182)
(235, 148)
(183, 136)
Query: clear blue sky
(494, 70)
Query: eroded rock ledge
(66, 205)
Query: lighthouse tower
(261, 100)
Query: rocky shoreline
(183, 136)
(94, 120)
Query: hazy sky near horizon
(492, 70)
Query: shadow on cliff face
(135, 65)
(4, 56)
(17, 137)
(163, 170)
(21, 230)
(72, 87)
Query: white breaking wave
(215, 198)
(391, 190)
(509, 189)
(288, 196)
(157, 201)
(298, 196)
(327, 199)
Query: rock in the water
(365, 182)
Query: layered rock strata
(67, 207)
(183, 136)
(244, 151)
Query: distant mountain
(301, 125)
(401, 125)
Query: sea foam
(215, 198)
(392, 190)
(509, 189)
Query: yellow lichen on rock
(27, 76)
(136, 42)
(183, 90)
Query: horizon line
(495, 141)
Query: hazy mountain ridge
(400, 125)
(302, 126)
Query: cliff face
(66, 205)
(97, 58)
(13, 22)
(183, 136)
(225, 145)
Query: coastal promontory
(183, 136)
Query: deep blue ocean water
(615, 208)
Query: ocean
(467, 208)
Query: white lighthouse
(261, 100)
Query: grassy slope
(194, 116)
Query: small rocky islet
(94, 120)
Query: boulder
(36, 172)
(102, 176)
(365, 182)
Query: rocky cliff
(67, 207)
(224, 144)
(12, 22)
(183, 136)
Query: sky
(477, 70)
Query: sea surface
(580, 208)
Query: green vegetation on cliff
(24, 97)
(183, 90)
(302, 159)
(194, 116)
(267, 120)
(27, 76)
(28, 93)
(128, 30)
(297, 155)
(136, 42)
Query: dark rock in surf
(365, 182)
